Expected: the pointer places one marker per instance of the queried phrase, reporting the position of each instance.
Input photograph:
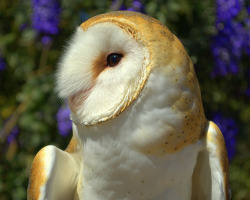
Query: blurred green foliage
(28, 100)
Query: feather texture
(139, 128)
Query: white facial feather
(115, 86)
(74, 67)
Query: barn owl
(139, 129)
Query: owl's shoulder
(53, 174)
(39, 172)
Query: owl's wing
(53, 175)
(211, 175)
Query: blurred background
(33, 34)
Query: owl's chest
(111, 171)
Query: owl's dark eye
(113, 59)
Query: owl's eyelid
(114, 52)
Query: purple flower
(248, 91)
(2, 64)
(64, 124)
(227, 48)
(46, 40)
(13, 134)
(229, 130)
(231, 39)
(137, 5)
(228, 9)
(46, 16)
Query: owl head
(113, 57)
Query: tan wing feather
(37, 176)
(215, 136)
(54, 174)
(211, 173)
